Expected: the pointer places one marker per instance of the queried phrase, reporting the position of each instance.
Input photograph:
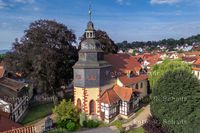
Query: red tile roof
(197, 62)
(7, 124)
(30, 129)
(109, 97)
(124, 93)
(123, 62)
(196, 68)
(4, 114)
(133, 80)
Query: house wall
(5, 106)
(119, 83)
(196, 73)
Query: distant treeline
(150, 45)
(2, 56)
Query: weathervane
(90, 12)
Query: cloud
(24, 1)
(124, 2)
(164, 1)
(2, 4)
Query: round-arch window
(92, 107)
(79, 105)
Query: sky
(131, 20)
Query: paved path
(140, 119)
(136, 122)
(99, 130)
(38, 125)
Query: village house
(14, 96)
(106, 86)
(196, 68)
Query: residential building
(196, 68)
(14, 96)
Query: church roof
(132, 80)
(90, 25)
(122, 62)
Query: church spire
(90, 31)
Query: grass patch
(137, 130)
(57, 130)
(37, 112)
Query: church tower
(91, 74)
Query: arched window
(141, 85)
(136, 86)
(79, 105)
(92, 107)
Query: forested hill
(169, 43)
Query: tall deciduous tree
(44, 55)
(167, 65)
(176, 101)
(108, 45)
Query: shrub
(62, 123)
(84, 123)
(153, 125)
(92, 124)
(71, 126)
(118, 124)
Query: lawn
(137, 130)
(37, 112)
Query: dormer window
(130, 74)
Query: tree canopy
(44, 55)
(167, 65)
(66, 111)
(108, 45)
(176, 101)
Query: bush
(84, 123)
(118, 124)
(91, 124)
(145, 100)
(71, 126)
(153, 125)
(62, 123)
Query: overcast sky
(132, 20)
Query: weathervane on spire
(90, 12)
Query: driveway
(140, 119)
